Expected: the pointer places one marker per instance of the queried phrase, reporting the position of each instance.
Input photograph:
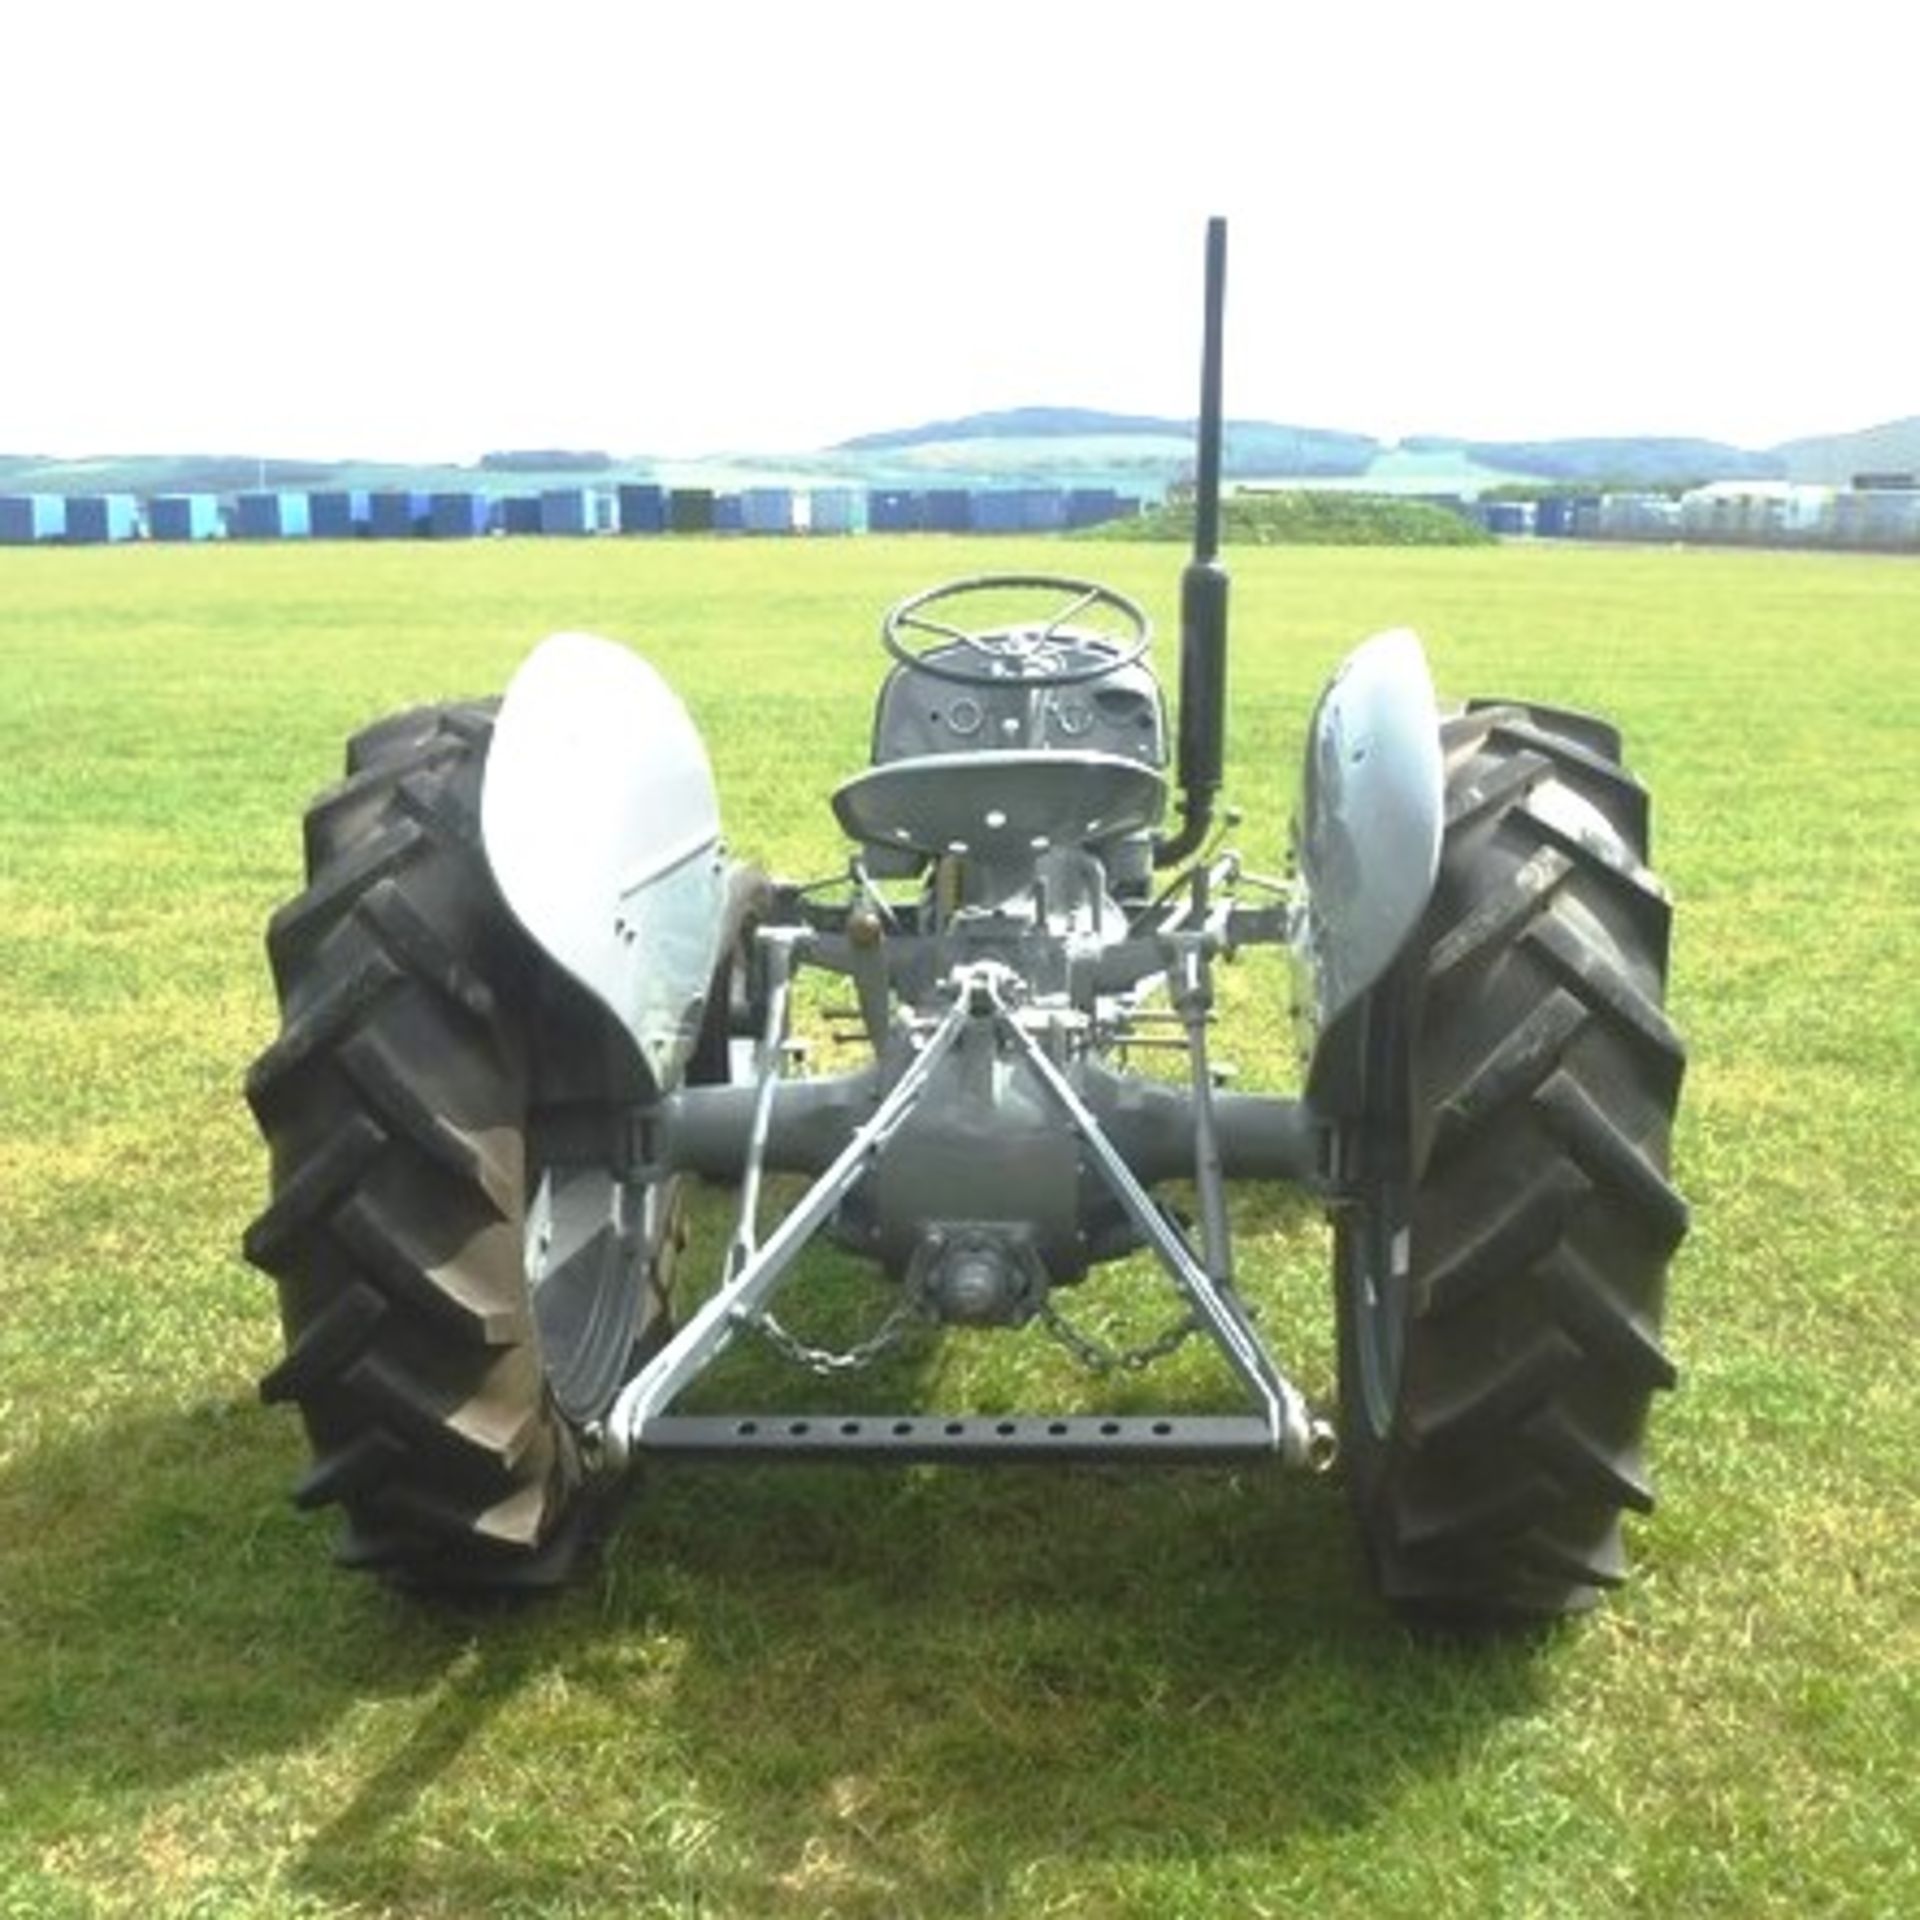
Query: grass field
(821, 1692)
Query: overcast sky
(406, 229)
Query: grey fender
(602, 828)
(1368, 843)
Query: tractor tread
(475, 1298)
(1491, 1472)
(394, 1101)
(1526, 1230)
(1491, 923)
(331, 1339)
(305, 1195)
(1504, 1389)
(1599, 778)
(359, 1467)
(298, 928)
(1523, 1056)
(1605, 1323)
(1606, 1153)
(1564, 726)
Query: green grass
(1309, 517)
(812, 1692)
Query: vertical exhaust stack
(1201, 747)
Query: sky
(403, 229)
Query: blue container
(643, 508)
(690, 509)
(947, 510)
(29, 517)
(1553, 517)
(833, 510)
(183, 516)
(889, 511)
(272, 516)
(338, 515)
(94, 519)
(729, 513)
(1042, 509)
(256, 516)
(1093, 506)
(767, 510)
(520, 513)
(397, 514)
(998, 512)
(566, 510)
(458, 515)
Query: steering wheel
(1048, 652)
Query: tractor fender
(602, 828)
(1367, 842)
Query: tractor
(528, 998)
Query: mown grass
(803, 1692)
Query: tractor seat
(1013, 801)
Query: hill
(1832, 459)
(1139, 454)
(1646, 462)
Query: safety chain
(1097, 1357)
(1090, 1351)
(823, 1361)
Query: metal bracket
(755, 1271)
(639, 1417)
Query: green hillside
(1833, 459)
(1031, 446)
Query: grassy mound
(1308, 519)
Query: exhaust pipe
(1201, 741)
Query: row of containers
(1726, 513)
(88, 519)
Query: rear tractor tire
(436, 1086)
(1500, 1279)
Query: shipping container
(892, 511)
(97, 519)
(1758, 513)
(1508, 519)
(690, 509)
(1886, 520)
(568, 510)
(397, 514)
(1095, 506)
(272, 515)
(520, 513)
(459, 515)
(947, 510)
(834, 510)
(29, 517)
(643, 508)
(337, 514)
(1042, 509)
(1639, 516)
(767, 510)
(997, 511)
(184, 516)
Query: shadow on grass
(923, 1691)
(166, 1614)
(801, 1689)
(909, 1693)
